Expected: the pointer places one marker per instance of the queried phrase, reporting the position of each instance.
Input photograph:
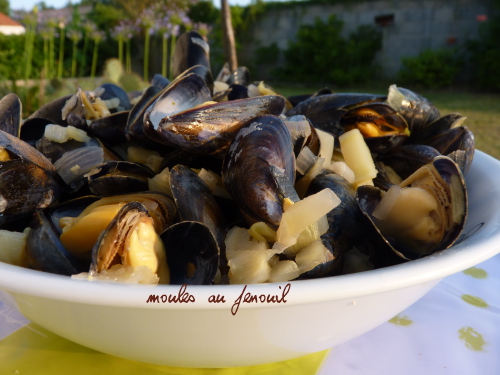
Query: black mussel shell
(381, 126)
(33, 129)
(190, 50)
(28, 180)
(103, 257)
(248, 172)
(134, 127)
(119, 177)
(192, 253)
(160, 81)
(24, 189)
(296, 99)
(55, 150)
(52, 110)
(11, 114)
(237, 92)
(109, 91)
(111, 129)
(45, 251)
(241, 76)
(183, 94)
(417, 110)
(209, 129)
(406, 159)
(325, 111)
(456, 139)
(303, 134)
(195, 202)
(190, 160)
(446, 122)
(449, 185)
(346, 224)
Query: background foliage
(432, 69)
(321, 54)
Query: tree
(227, 30)
(5, 7)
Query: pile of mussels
(163, 178)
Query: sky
(28, 4)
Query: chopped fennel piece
(300, 215)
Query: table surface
(454, 329)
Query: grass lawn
(482, 110)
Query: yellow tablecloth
(34, 350)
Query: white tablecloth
(454, 329)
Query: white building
(8, 26)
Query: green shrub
(431, 68)
(321, 54)
(485, 56)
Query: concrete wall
(416, 25)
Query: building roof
(7, 21)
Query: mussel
(423, 214)
(259, 169)
(28, 180)
(131, 240)
(209, 128)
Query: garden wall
(408, 26)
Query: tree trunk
(227, 30)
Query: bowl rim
(461, 256)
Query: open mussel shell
(131, 240)
(110, 247)
(45, 251)
(118, 177)
(182, 94)
(192, 253)
(325, 111)
(417, 110)
(160, 207)
(208, 129)
(381, 126)
(11, 114)
(415, 223)
(260, 150)
(190, 50)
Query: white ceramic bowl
(317, 315)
